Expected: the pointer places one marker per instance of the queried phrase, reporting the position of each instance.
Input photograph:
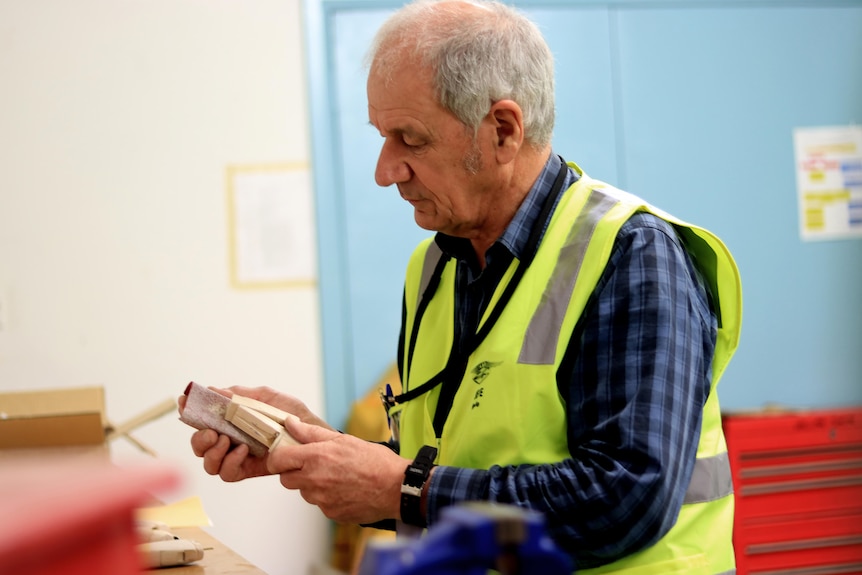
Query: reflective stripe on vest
(432, 255)
(540, 345)
(710, 480)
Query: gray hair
(477, 58)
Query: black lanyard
(450, 376)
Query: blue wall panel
(690, 104)
(710, 99)
(379, 233)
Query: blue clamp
(471, 539)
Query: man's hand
(349, 479)
(235, 463)
(231, 464)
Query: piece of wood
(254, 423)
(124, 429)
(259, 426)
(151, 414)
(272, 412)
(284, 438)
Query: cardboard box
(52, 418)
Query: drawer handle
(776, 453)
(826, 570)
(761, 548)
(800, 485)
(770, 470)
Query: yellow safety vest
(507, 410)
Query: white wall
(117, 122)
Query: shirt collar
(517, 233)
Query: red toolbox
(797, 478)
(74, 516)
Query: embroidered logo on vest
(483, 370)
(480, 372)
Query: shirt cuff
(452, 485)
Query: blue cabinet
(689, 104)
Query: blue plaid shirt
(634, 380)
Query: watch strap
(415, 477)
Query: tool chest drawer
(797, 480)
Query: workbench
(219, 559)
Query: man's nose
(391, 168)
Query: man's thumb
(306, 433)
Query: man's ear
(508, 121)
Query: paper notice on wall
(829, 182)
(271, 226)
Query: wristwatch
(415, 477)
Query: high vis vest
(507, 409)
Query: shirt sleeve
(635, 377)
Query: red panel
(798, 483)
(73, 516)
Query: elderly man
(561, 339)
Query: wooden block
(259, 426)
(254, 423)
(283, 438)
(266, 409)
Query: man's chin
(424, 221)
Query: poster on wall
(271, 231)
(829, 182)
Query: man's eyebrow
(399, 131)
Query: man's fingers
(215, 454)
(292, 457)
(284, 458)
(306, 433)
(203, 440)
(232, 464)
(264, 394)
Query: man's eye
(411, 142)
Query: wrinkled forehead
(400, 76)
(394, 61)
